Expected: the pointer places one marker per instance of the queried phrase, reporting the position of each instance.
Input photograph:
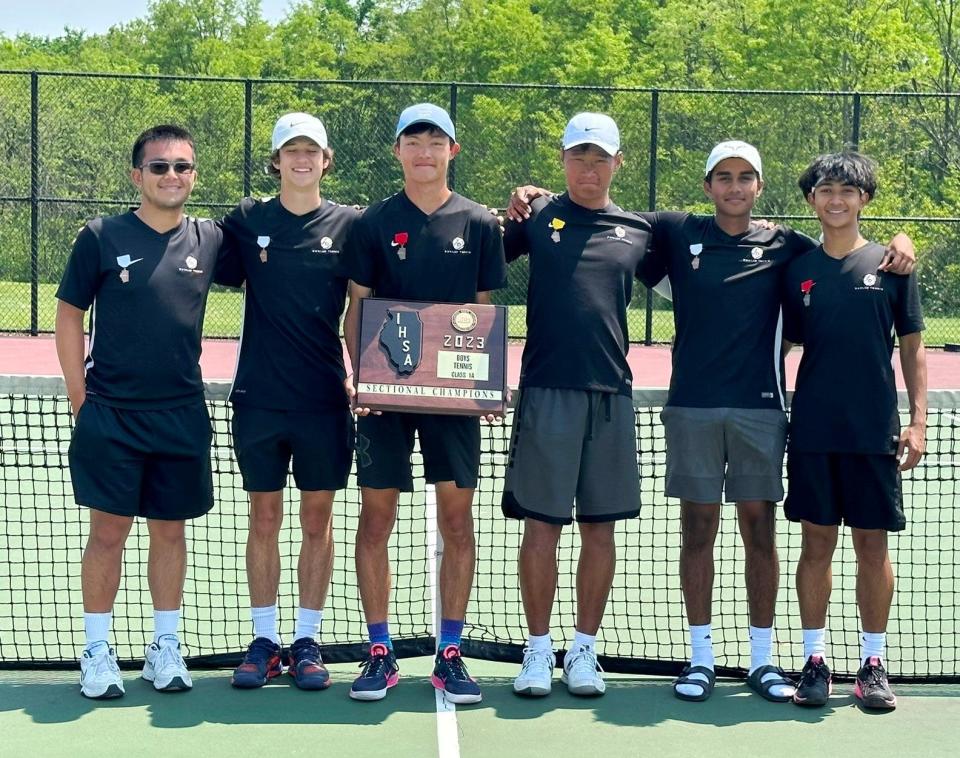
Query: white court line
(448, 739)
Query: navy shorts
(450, 446)
(150, 463)
(829, 489)
(320, 443)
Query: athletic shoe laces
(169, 656)
(584, 663)
(374, 664)
(305, 649)
(536, 660)
(454, 664)
(813, 671)
(103, 664)
(873, 676)
(261, 650)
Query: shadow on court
(55, 698)
(648, 702)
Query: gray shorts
(572, 446)
(733, 453)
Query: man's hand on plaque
(352, 396)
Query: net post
(855, 135)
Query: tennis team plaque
(432, 357)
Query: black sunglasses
(159, 168)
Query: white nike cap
(734, 149)
(294, 125)
(592, 129)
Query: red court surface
(37, 356)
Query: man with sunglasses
(288, 396)
(141, 442)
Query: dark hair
(587, 147)
(848, 167)
(272, 169)
(160, 133)
(422, 127)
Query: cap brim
(430, 121)
(609, 149)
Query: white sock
(308, 623)
(814, 643)
(165, 624)
(96, 628)
(872, 644)
(540, 642)
(265, 622)
(701, 648)
(581, 640)
(761, 647)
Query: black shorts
(150, 463)
(450, 446)
(319, 442)
(861, 491)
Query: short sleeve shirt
(447, 256)
(726, 309)
(582, 266)
(148, 292)
(845, 313)
(291, 357)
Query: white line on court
(448, 740)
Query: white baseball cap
(592, 129)
(294, 125)
(734, 149)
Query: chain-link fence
(65, 142)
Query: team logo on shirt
(695, 251)
(191, 266)
(124, 262)
(619, 235)
(457, 244)
(401, 336)
(264, 242)
(756, 253)
(326, 243)
(805, 287)
(871, 282)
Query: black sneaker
(451, 677)
(261, 663)
(816, 684)
(380, 673)
(306, 666)
(872, 688)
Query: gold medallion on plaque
(464, 320)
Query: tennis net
(42, 534)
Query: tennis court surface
(42, 534)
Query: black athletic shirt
(448, 256)
(148, 292)
(581, 282)
(726, 309)
(846, 395)
(291, 356)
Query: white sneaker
(100, 674)
(582, 674)
(164, 666)
(536, 676)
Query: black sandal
(763, 688)
(706, 687)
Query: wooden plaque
(432, 357)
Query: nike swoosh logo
(394, 244)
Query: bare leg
(315, 565)
(168, 563)
(595, 570)
(815, 574)
(263, 550)
(874, 578)
(757, 523)
(455, 522)
(538, 573)
(103, 560)
(699, 524)
(377, 516)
